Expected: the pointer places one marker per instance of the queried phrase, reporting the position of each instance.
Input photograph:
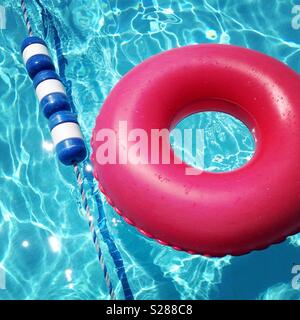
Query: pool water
(46, 251)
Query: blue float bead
(45, 75)
(38, 63)
(71, 151)
(53, 103)
(61, 117)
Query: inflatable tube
(213, 214)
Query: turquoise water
(46, 250)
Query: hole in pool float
(213, 141)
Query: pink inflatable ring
(213, 214)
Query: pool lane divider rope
(26, 18)
(66, 135)
(64, 127)
(93, 232)
(108, 239)
(49, 27)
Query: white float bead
(49, 86)
(65, 130)
(34, 49)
